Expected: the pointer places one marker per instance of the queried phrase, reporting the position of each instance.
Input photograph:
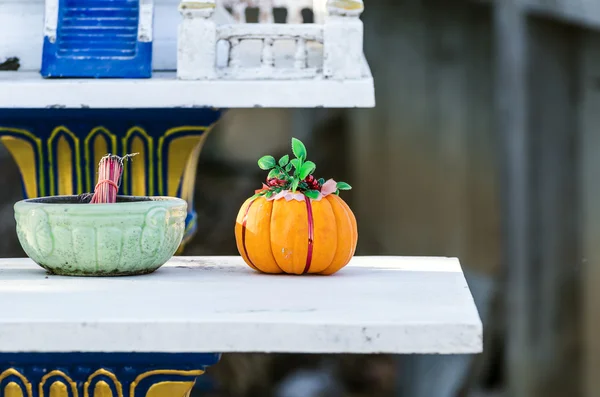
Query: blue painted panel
(97, 38)
(34, 369)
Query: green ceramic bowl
(65, 235)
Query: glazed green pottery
(67, 236)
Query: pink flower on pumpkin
(287, 195)
(264, 187)
(329, 187)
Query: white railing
(267, 35)
(200, 39)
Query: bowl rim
(143, 200)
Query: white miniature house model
(190, 53)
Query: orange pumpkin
(298, 236)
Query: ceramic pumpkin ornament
(296, 224)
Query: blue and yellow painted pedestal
(101, 374)
(58, 150)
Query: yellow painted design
(161, 143)
(138, 168)
(13, 390)
(64, 132)
(189, 175)
(14, 372)
(64, 166)
(169, 388)
(180, 150)
(100, 150)
(133, 135)
(347, 5)
(23, 154)
(96, 142)
(38, 143)
(102, 389)
(58, 388)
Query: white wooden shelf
(163, 90)
(218, 304)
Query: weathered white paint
(218, 304)
(201, 58)
(145, 27)
(22, 32)
(164, 90)
(274, 31)
(341, 36)
(342, 47)
(343, 39)
(51, 20)
(197, 43)
(290, 59)
(268, 73)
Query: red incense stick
(110, 171)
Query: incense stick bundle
(110, 171)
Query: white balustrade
(267, 57)
(301, 56)
(341, 38)
(235, 60)
(268, 35)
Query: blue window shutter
(97, 38)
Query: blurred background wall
(428, 167)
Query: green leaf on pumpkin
(343, 186)
(298, 149)
(284, 161)
(274, 173)
(288, 167)
(321, 181)
(269, 193)
(295, 184)
(313, 194)
(307, 169)
(266, 162)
